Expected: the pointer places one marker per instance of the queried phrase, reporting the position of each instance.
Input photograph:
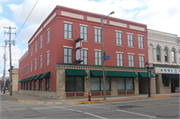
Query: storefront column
(114, 91)
(152, 85)
(169, 56)
(162, 56)
(177, 57)
(154, 55)
(60, 83)
(136, 86)
(87, 83)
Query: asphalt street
(160, 108)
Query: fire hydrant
(89, 96)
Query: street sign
(106, 57)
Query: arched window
(173, 56)
(158, 55)
(165, 54)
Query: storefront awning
(22, 80)
(171, 76)
(45, 75)
(144, 75)
(96, 73)
(38, 76)
(32, 78)
(75, 72)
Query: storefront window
(125, 84)
(97, 84)
(30, 85)
(35, 85)
(47, 84)
(158, 54)
(173, 56)
(74, 84)
(40, 84)
(165, 82)
(21, 86)
(166, 54)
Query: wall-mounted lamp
(136, 78)
(87, 77)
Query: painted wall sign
(167, 70)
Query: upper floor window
(130, 40)
(140, 41)
(40, 61)
(165, 54)
(131, 60)
(47, 58)
(48, 35)
(97, 35)
(141, 61)
(41, 42)
(27, 68)
(68, 55)
(118, 38)
(119, 59)
(24, 70)
(35, 63)
(97, 57)
(173, 56)
(84, 57)
(31, 66)
(31, 50)
(158, 54)
(83, 32)
(35, 47)
(67, 30)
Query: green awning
(75, 72)
(22, 80)
(96, 73)
(38, 76)
(144, 75)
(45, 75)
(32, 78)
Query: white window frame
(27, 68)
(119, 38)
(67, 31)
(82, 56)
(141, 61)
(41, 61)
(47, 58)
(140, 42)
(97, 35)
(99, 57)
(35, 46)
(131, 60)
(68, 55)
(48, 35)
(31, 66)
(35, 64)
(82, 32)
(119, 59)
(31, 50)
(130, 40)
(40, 42)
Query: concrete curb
(21, 101)
(123, 99)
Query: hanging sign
(78, 51)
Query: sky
(160, 15)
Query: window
(97, 57)
(31, 66)
(41, 42)
(35, 47)
(118, 38)
(35, 64)
(30, 85)
(47, 58)
(97, 84)
(141, 61)
(83, 32)
(179, 56)
(119, 59)
(31, 50)
(165, 82)
(48, 35)
(125, 84)
(165, 54)
(67, 30)
(40, 84)
(27, 68)
(97, 35)
(158, 54)
(84, 57)
(40, 61)
(35, 84)
(140, 41)
(173, 56)
(68, 55)
(131, 60)
(27, 86)
(130, 40)
(74, 84)
(47, 84)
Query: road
(160, 108)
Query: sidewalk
(28, 99)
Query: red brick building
(49, 67)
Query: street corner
(21, 101)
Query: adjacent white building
(164, 56)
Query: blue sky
(161, 15)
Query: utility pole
(4, 74)
(10, 42)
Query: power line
(26, 19)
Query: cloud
(1, 10)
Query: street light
(147, 66)
(103, 53)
